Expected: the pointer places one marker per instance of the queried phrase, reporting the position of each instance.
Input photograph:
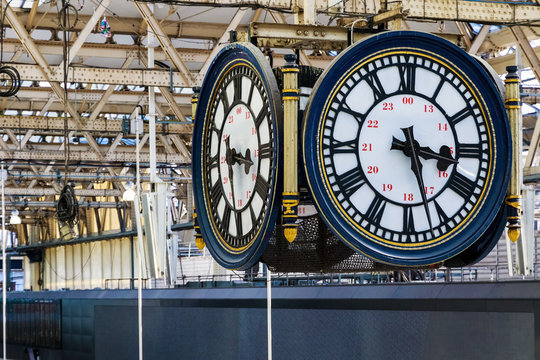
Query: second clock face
(236, 152)
(405, 153)
(238, 148)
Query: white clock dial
(405, 149)
(239, 149)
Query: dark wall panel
(418, 321)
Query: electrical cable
(9, 76)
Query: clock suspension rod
(290, 148)
(199, 241)
(513, 197)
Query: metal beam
(105, 126)
(528, 51)
(235, 21)
(83, 34)
(496, 12)
(52, 192)
(32, 49)
(109, 51)
(106, 95)
(88, 155)
(533, 146)
(22, 175)
(91, 75)
(165, 42)
(118, 97)
(479, 39)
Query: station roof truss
(108, 78)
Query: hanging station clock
(236, 150)
(406, 148)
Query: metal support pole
(139, 237)
(290, 148)
(4, 267)
(513, 109)
(269, 310)
(151, 105)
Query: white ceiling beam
(527, 49)
(92, 75)
(471, 11)
(48, 191)
(44, 124)
(88, 155)
(83, 34)
(109, 51)
(32, 49)
(462, 27)
(479, 39)
(165, 42)
(533, 146)
(117, 97)
(221, 42)
(32, 15)
(101, 103)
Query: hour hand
(444, 156)
(246, 160)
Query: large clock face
(238, 157)
(402, 151)
(238, 147)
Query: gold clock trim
(489, 124)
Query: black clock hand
(246, 160)
(416, 167)
(229, 158)
(444, 156)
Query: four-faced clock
(236, 153)
(406, 148)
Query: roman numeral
(462, 185)
(216, 192)
(213, 162)
(265, 151)
(443, 218)
(251, 93)
(262, 115)
(213, 127)
(224, 100)
(407, 74)
(253, 216)
(226, 219)
(460, 115)
(375, 210)
(261, 187)
(408, 220)
(375, 84)
(357, 116)
(469, 151)
(237, 83)
(339, 147)
(238, 220)
(351, 181)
